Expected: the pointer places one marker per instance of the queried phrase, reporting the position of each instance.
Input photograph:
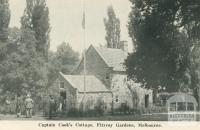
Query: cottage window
(125, 80)
(107, 76)
(113, 86)
(146, 101)
(62, 84)
(117, 98)
(105, 107)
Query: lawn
(147, 117)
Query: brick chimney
(123, 45)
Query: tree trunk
(198, 98)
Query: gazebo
(182, 107)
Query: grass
(148, 117)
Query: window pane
(190, 106)
(172, 106)
(62, 84)
(116, 98)
(181, 106)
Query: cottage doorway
(63, 94)
(63, 97)
(146, 101)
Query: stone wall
(96, 66)
(74, 98)
(71, 92)
(94, 101)
(54, 88)
(121, 93)
(140, 94)
(134, 97)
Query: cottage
(87, 98)
(106, 79)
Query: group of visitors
(52, 106)
(24, 105)
(19, 105)
(28, 103)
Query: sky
(66, 19)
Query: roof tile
(113, 57)
(92, 83)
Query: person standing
(7, 107)
(18, 105)
(52, 106)
(28, 106)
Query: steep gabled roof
(113, 57)
(92, 83)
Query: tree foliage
(163, 33)
(112, 26)
(64, 60)
(36, 18)
(67, 57)
(24, 66)
(23, 70)
(4, 19)
(4, 23)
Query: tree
(166, 37)
(36, 18)
(112, 26)
(190, 23)
(67, 57)
(35, 21)
(23, 70)
(134, 94)
(64, 60)
(4, 20)
(4, 23)
(162, 44)
(23, 67)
